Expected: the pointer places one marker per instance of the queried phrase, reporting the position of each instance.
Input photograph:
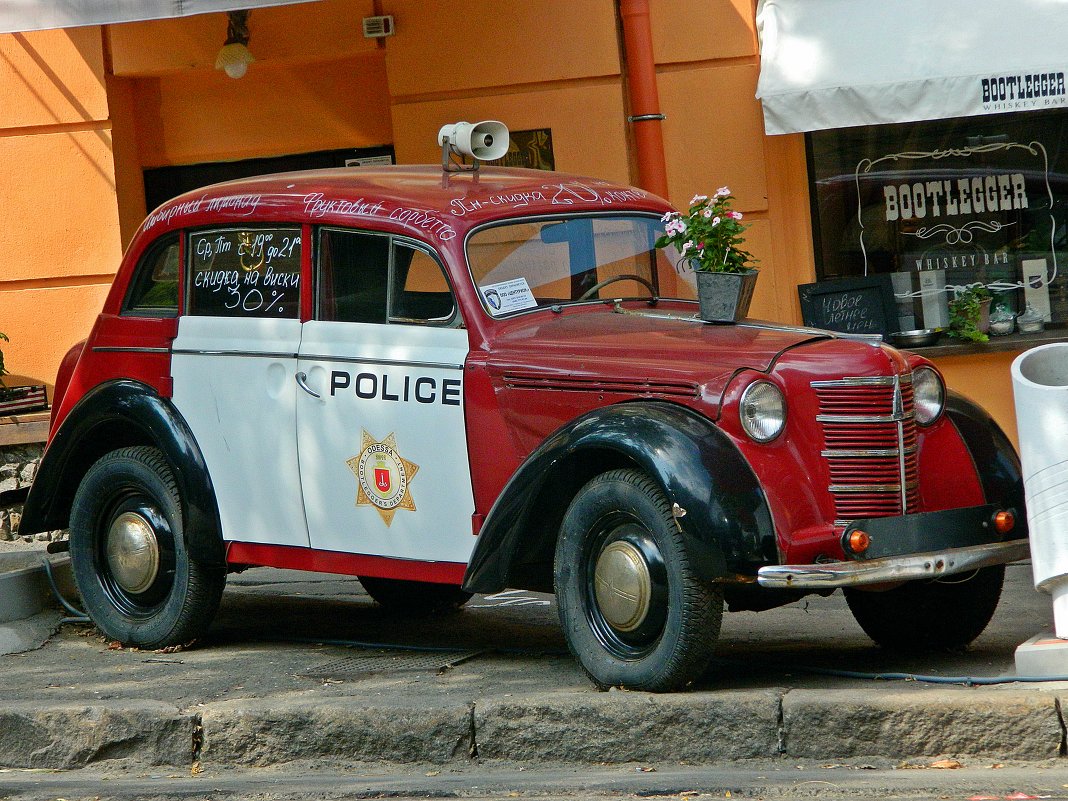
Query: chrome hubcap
(133, 552)
(623, 586)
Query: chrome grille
(869, 443)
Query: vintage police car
(457, 382)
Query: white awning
(34, 15)
(839, 63)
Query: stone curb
(266, 732)
(630, 727)
(1007, 724)
(567, 727)
(24, 585)
(68, 736)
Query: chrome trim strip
(877, 452)
(251, 353)
(860, 381)
(306, 357)
(318, 358)
(865, 488)
(103, 349)
(867, 418)
(935, 564)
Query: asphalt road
(772, 781)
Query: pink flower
(735, 215)
(698, 199)
(715, 221)
(706, 213)
(723, 191)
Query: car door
(233, 365)
(380, 420)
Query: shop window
(946, 204)
(244, 272)
(154, 289)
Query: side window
(153, 291)
(353, 276)
(244, 272)
(420, 292)
(368, 278)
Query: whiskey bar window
(946, 204)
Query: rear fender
(114, 415)
(721, 508)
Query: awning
(34, 15)
(839, 63)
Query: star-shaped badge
(383, 476)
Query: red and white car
(447, 383)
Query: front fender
(996, 461)
(726, 522)
(114, 415)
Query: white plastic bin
(1040, 387)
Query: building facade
(99, 122)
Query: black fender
(996, 461)
(114, 415)
(726, 521)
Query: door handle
(302, 382)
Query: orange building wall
(99, 107)
(60, 235)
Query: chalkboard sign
(851, 305)
(245, 272)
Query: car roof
(424, 199)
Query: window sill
(948, 346)
(24, 429)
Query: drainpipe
(645, 116)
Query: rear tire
(634, 610)
(929, 615)
(137, 580)
(415, 598)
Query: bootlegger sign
(976, 213)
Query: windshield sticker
(508, 296)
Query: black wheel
(633, 609)
(929, 615)
(415, 598)
(135, 576)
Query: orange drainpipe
(645, 116)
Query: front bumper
(930, 565)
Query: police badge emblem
(383, 476)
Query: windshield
(547, 262)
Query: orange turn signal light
(859, 541)
(1004, 522)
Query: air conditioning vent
(378, 27)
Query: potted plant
(709, 240)
(969, 313)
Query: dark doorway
(163, 183)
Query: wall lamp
(234, 57)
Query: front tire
(414, 598)
(929, 615)
(136, 578)
(634, 611)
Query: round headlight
(929, 395)
(763, 411)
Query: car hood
(644, 351)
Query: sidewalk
(280, 678)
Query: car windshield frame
(562, 268)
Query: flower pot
(725, 297)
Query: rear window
(245, 272)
